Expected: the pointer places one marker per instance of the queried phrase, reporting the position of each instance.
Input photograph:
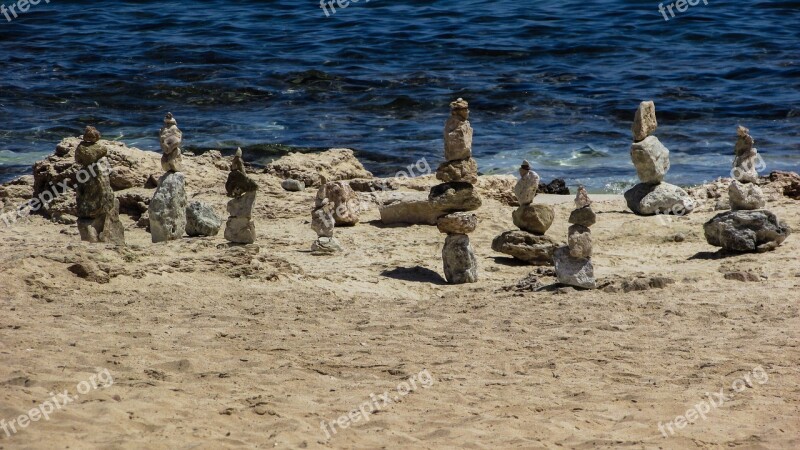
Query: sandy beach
(213, 345)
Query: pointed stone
(644, 123)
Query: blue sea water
(556, 82)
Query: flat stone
(524, 246)
(167, 209)
(87, 154)
(651, 159)
(580, 241)
(458, 223)
(460, 264)
(293, 185)
(648, 200)
(465, 170)
(326, 246)
(240, 230)
(576, 272)
(583, 216)
(746, 157)
(535, 219)
(746, 231)
(455, 197)
(746, 196)
(202, 220)
(644, 123)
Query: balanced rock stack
(458, 175)
(529, 244)
(747, 227)
(168, 206)
(98, 208)
(653, 196)
(346, 205)
(460, 264)
(323, 223)
(240, 228)
(574, 262)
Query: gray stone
(326, 246)
(644, 123)
(647, 200)
(293, 185)
(746, 196)
(460, 264)
(168, 208)
(746, 231)
(240, 230)
(533, 249)
(535, 219)
(322, 221)
(242, 206)
(527, 186)
(580, 241)
(577, 272)
(202, 220)
(651, 160)
(458, 223)
(583, 216)
(465, 170)
(94, 196)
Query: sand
(219, 346)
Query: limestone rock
(465, 170)
(293, 185)
(533, 249)
(374, 185)
(458, 223)
(168, 208)
(460, 264)
(647, 199)
(458, 133)
(326, 246)
(746, 196)
(580, 241)
(242, 206)
(202, 220)
(577, 272)
(322, 221)
(583, 216)
(528, 184)
(240, 230)
(335, 165)
(746, 231)
(651, 159)
(582, 199)
(535, 219)
(346, 204)
(171, 138)
(746, 157)
(644, 123)
(455, 197)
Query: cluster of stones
(652, 195)
(529, 243)
(98, 208)
(168, 207)
(574, 261)
(747, 227)
(240, 228)
(458, 173)
(336, 204)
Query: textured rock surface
(580, 241)
(533, 249)
(240, 230)
(346, 204)
(171, 138)
(167, 208)
(202, 220)
(647, 199)
(644, 123)
(460, 264)
(455, 197)
(746, 196)
(651, 159)
(583, 216)
(528, 184)
(465, 170)
(334, 165)
(293, 185)
(326, 246)
(322, 221)
(242, 206)
(458, 133)
(746, 231)
(458, 223)
(577, 272)
(535, 219)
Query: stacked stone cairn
(98, 208)
(240, 228)
(529, 243)
(653, 196)
(323, 222)
(747, 227)
(168, 206)
(574, 262)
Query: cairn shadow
(710, 256)
(510, 262)
(417, 274)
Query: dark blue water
(556, 82)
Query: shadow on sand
(417, 274)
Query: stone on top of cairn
(644, 123)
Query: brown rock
(458, 171)
(535, 218)
(644, 123)
(458, 223)
(335, 165)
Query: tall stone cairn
(323, 222)
(743, 191)
(574, 261)
(98, 208)
(651, 159)
(240, 228)
(458, 173)
(529, 243)
(168, 206)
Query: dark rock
(746, 231)
(557, 187)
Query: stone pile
(574, 262)
(747, 227)
(652, 195)
(240, 228)
(97, 207)
(323, 223)
(460, 264)
(529, 244)
(167, 209)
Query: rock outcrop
(336, 164)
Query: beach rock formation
(527, 247)
(323, 223)
(651, 159)
(745, 161)
(346, 205)
(336, 164)
(171, 138)
(460, 264)
(167, 209)
(528, 184)
(746, 196)
(202, 220)
(97, 207)
(574, 262)
(240, 228)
